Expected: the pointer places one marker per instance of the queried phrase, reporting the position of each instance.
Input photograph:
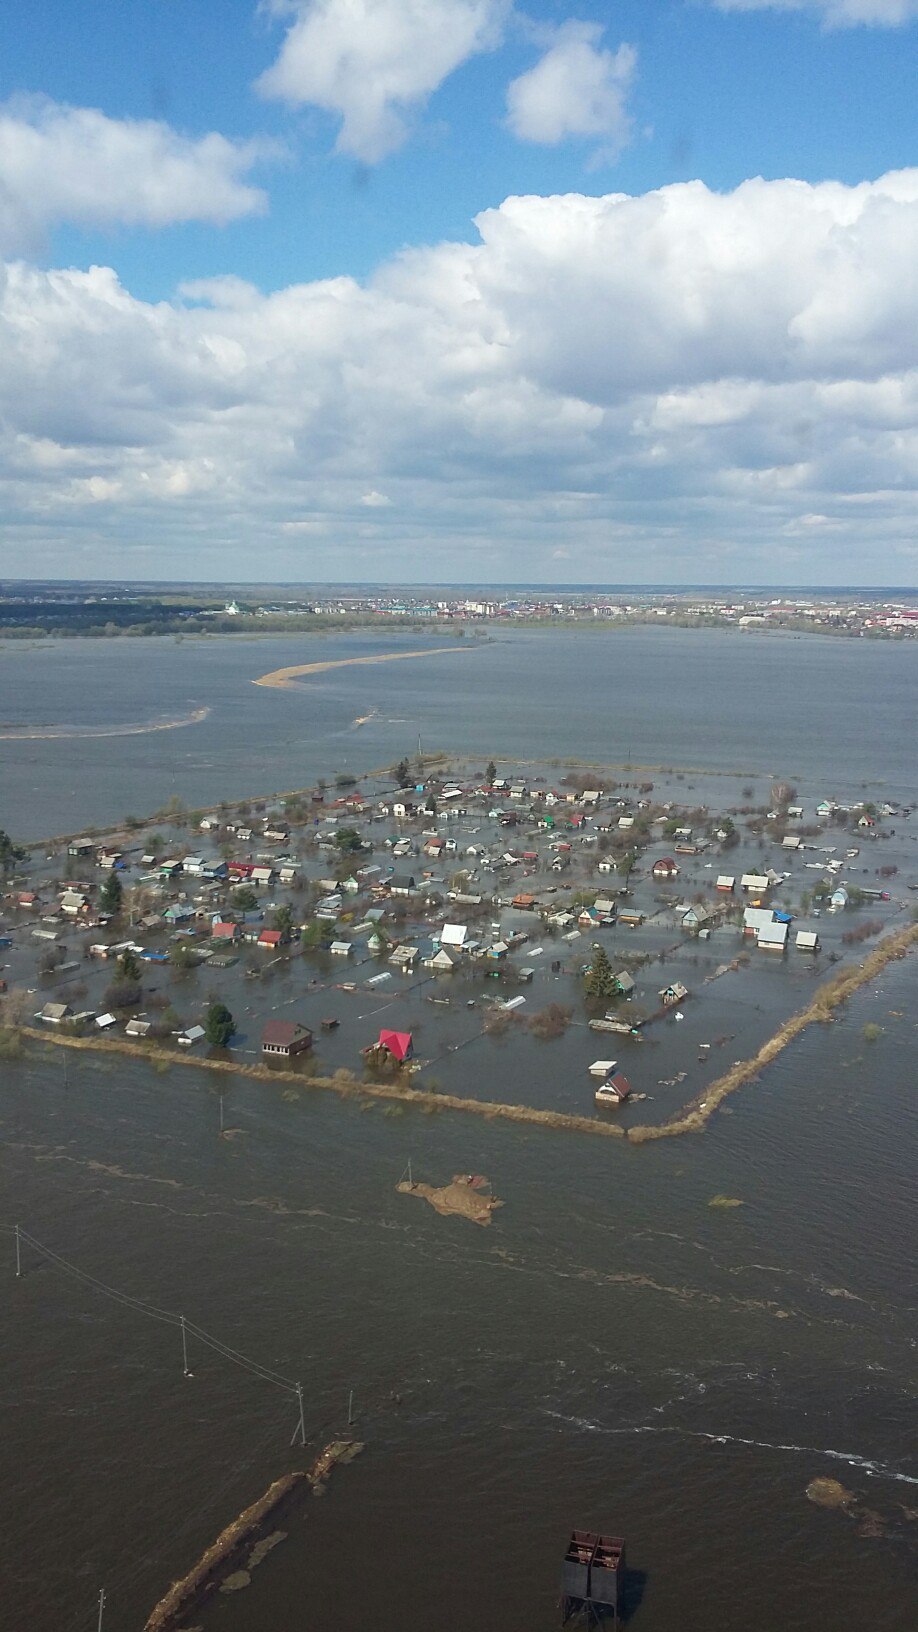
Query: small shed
(53, 1014)
(807, 941)
(697, 916)
(675, 992)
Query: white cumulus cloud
(836, 13)
(655, 383)
(577, 89)
(76, 165)
(373, 62)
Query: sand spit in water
(64, 733)
(205, 1576)
(283, 678)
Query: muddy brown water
(612, 1353)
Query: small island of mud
(468, 1195)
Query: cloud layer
(577, 89)
(836, 13)
(374, 62)
(75, 165)
(646, 384)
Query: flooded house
(613, 1092)
(402, 884)
(755, 919)
(284, 1039)
(773, 937)
(674, 993)
(667, 867)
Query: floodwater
(802, 707)
(611, 1353)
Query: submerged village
(588, 944)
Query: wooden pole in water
(302, 1425)
(101, 1608)
(221, 1113)
(350, 1408)
(185, 1370)
(18, 1256)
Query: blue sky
(276, 425)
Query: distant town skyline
(460, 292)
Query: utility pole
(350, 1408)
(300, 1429)
(101, 1608)
(221, 1113)
(18, 1256)
(185, 1370)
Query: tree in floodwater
(283, 919)
(491, 773)
(129, 965)
(10, 853)
(111, 895)
(219, 1025)
(599, 980)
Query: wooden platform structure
(591, 1578)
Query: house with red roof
(399, 1045)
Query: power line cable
(166, 1316)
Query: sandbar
(282, 678)
(56, 733)
(468, 1196)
